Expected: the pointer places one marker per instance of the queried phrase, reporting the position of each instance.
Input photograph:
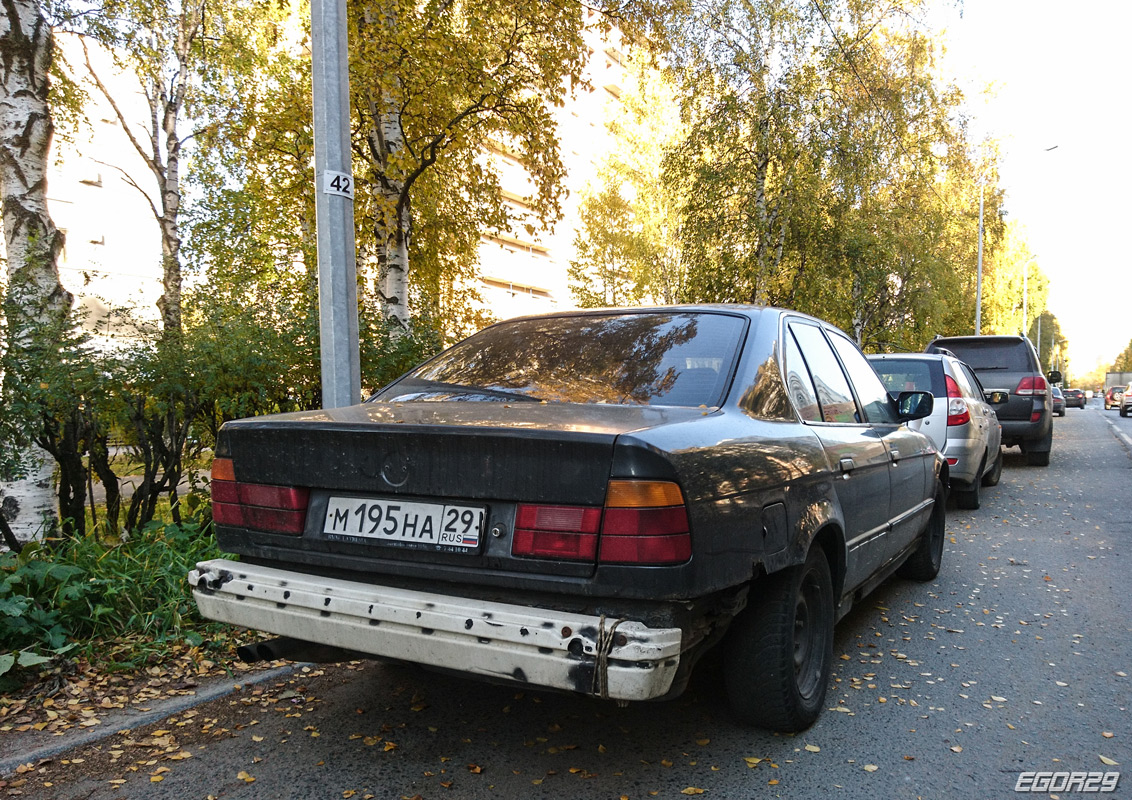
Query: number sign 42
(339, 183)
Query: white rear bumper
(621, 659)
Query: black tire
(995, 475)
(1037, 459)
(779, 651)
(925, 561)
(968, 498)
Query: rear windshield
(681, 359)
(910, 375)
(991, 355)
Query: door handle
(847, 465)
(895, 455)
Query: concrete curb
(131, 719)
(1121, 435)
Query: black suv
(1009, 363)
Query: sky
(1060, 78)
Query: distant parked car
(1010, 364)
(1075, 398)
(1113, 397)
(962, 424)
(1126, 401)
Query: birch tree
(36, 304)
(436, 82)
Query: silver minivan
(963, 424)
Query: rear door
(982, 412)
(856, 452)
(911, 454)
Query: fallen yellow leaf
(813, 748)
(957, 749)
(245, 777)
(871, 767)
(691, 790)
(1108, 761)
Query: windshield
(644, 358)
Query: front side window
(680, 359)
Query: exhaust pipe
(288, 649)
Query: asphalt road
(1016, 658)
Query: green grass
(120, 603)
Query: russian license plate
(405, 522)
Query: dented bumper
(620, 659)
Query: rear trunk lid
(461, 466)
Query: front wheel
(779, 652)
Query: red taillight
(1035, 384)
(643, 522)
(275, 509)
(564, 532)
(646, 522)
(957, 411)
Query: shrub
(77, 591)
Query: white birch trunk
(32, 243)
(394, 240)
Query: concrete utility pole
(334, 206)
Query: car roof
(998, 337)
(910, 356)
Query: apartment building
(112, 258)
(525, 274)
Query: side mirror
(997, 397)
(1054, 376)
(914, 405)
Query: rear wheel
(968, 498)
(925, 561)
(995, 475)
(780, 649)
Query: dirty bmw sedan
(588, 501)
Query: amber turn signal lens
(222, 470)
(643, 494)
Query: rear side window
(799, 384)
(910, 375)
(1010, 356)
(681, 359)
(870, 392)
(834, 395)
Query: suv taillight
(642, 522)
(275, 509)
(1034, 385)
(957, 411)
